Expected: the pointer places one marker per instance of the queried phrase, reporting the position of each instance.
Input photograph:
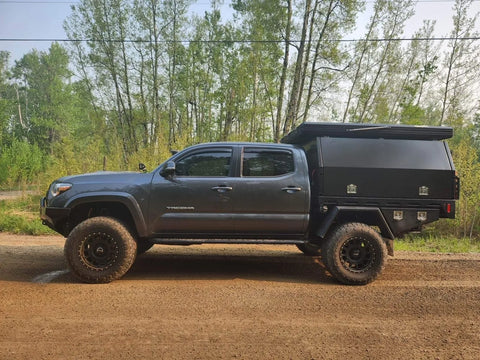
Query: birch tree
(376, 61)
(461, 65)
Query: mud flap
(389, 243)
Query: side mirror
(168, 169)
(142, 167)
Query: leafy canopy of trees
(145, 76)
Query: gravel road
(235, 302)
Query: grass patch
(21, 216)
(437, 244)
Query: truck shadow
(296, 268)
(47, 265)
(25, 263)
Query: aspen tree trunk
(283, 77)
(359, 63)
(297, 78)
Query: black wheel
(143, 246)
(100, 250)
(309, 249)
(354, 254)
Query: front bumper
(53, 217)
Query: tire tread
(331, 257)
(80, 271)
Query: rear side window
(259, 162)
(208, 163)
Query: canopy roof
(306, 132)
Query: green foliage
(44, 97)
(20, 163)
(468, 208)
(437, 244)
(412, 115)
(20, 216)
(151, 156)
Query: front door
(197, 199)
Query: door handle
(222, 188)
(291, 189)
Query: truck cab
(231, 190)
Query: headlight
(59, 188)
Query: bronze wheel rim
(99, 251)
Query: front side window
(267, 162)
(208, 163)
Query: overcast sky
(43, 19)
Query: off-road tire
(143, 246)
(100, 250)
(354, 253)
(309, 249)
(324, 252)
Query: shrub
(20, 163)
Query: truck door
(272, 194)
(197, 198)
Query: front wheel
(354, 254)
(100, 250)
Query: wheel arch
(368, 215)
(122, 206)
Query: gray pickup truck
(339, 191)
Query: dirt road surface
(235, 302)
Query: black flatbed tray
(308, 131)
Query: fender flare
(116, 197)
(368, 215)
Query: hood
(104, 177)
(107, 182)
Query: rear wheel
(100, 250)
(354, 254)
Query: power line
(16, 2)
(200, 3)
(38, 2)
(471, 38)
(76, 2)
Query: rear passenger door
(271, 195)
